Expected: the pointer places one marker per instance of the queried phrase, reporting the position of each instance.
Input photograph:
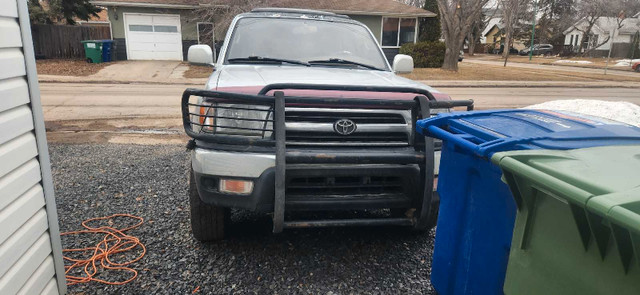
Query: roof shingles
(366, 7)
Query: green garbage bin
(93, 50)
(577, 228)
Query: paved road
(64, 101)
(611, 71)
(492, 98)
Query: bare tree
(457, 17)
(416, 3)
(222, 12)
(512, 16)
(478, 25)
(591, 11)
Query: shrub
(428, 54)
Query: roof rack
(296, 10)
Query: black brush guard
(274, 108)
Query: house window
(390, 31)
(398, 31)
(571, 42)
(576, 41)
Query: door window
(165, 29)
(140, 28)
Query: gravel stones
(151, 182)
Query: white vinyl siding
(30, 251)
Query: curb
(458, 85)
(122, 82)
(443, 84)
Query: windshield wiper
(344, 62)
(258, 59)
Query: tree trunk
(472, 44)
(585, 34)
(451, 54)
(507, 46)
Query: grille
(331, 117)
(314, 127)
(345, 186)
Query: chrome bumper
(240, 164)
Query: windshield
(304, 40)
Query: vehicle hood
(250, 79)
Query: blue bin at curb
(477, 210)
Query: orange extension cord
(114, 241)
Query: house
(605, 33)
(164, 29)
(494, 34)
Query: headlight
(234, 119)
(245, 120)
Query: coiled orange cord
(114, 241)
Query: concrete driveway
(142, 70)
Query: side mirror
(200, 54)
(402, 64)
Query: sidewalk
(533, 84)
(432, 83)
(171, 73)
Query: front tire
(207, 221)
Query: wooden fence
(63, 41)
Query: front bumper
(309, 186)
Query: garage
(153, 36)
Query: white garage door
(151, 36)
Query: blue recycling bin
(477, 210)
(107, 49)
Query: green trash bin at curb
(577, 228)
(92, 51)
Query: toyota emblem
(344, 127)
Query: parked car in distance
(636, 67)
(304, 113)
(501, 50)
(538, 49)
(461, 56)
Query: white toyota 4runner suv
(304, 113)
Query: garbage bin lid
(603, 180)
(487, 132)
(596, 170)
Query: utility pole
(533, 28)
(621, 18)
(610, 47)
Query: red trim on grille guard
(331, 93)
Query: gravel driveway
(151, 182)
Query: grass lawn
(68, 67)
(469, 71)
(198, 71)
(596, 62)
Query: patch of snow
(626, 62)
(570, 61)
(620, 111)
